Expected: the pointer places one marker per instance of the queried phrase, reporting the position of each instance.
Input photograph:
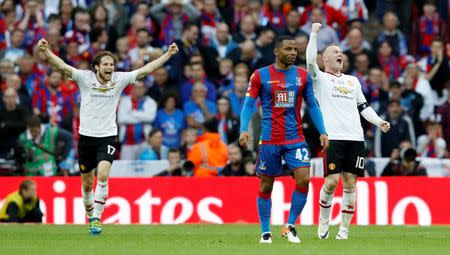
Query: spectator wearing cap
(199, 109)
(197, 76)
(402, 129)
(12, 122)
(414, 79)
(171, 121)
(393, 35)
(135, 116)
(171, 15)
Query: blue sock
(298, 201)
(264, 205)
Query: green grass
(216, 239)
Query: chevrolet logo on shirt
(343, 90)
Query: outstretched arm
(311, 51)
(368, 113)
(157, 63)
(54, 60)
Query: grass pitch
(216, 240)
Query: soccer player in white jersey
(100, 93)
(341, 100)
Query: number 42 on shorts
(302, 154)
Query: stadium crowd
(188, 111)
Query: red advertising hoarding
(381, 201)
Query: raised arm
(311, 51)
(157, 63)
(54, 60)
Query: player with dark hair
(341, 100)
(100, 93)
(281, 88)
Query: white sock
(326, 199)
(348, 207)
(88, 201)
(101, 193)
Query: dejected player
(281, 87)
(100, 93)
(341, 100)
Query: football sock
(298, 202)
(326, 198)
(101, 193)
(88, 201)
(264, 202)
(348, 207)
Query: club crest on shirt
(298, 81)
(350, 83)
(262, 165)
(284, 99)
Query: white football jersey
(339, 97)
(99, 102)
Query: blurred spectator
(98, 37)
(390, 33)
(355, 41)
(361, 71)
(432, 145)
(161, 84)
(143, 8)
(222, 42)
(235, 166)
(154, 149)
(65, 12)
(228, 124)
(54, 39)
(246, 53)
(276, 11)
(14, 51)
(209, 19)
(356, 46)
(430, 25)
(401, 8)
(264, 45)
(302, 42)
(13, 81)
(246, 31)
(49, 102)
(327, 35)
(437, 68)
(412, 103)
(235, 12)
(32, 23)
(99, 15)
(135, 115)
(12, 123)
(188, 45)
(237, 96)
(329, 14)
(198, 76)
(209, 154)
(80, 30)
(292, 29)
(22, 205)
(42, 147)
(413, 78)
(404, 163)
(143, 48)
(378, 87)
(6, 69)
(402, 129)
(389, 62)
(352, 10)
(199, 109)
(124, 60)
(117, 16)
(225, 78)
(29, 73)
(188, 139)
(170, 120)
(175, 165)
(171, 15)
(443, 113)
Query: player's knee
(87, 186)
(331, 183)
(102, 177)
(303, 181)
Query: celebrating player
(340, 98)
(280, 88)
(100, 93)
